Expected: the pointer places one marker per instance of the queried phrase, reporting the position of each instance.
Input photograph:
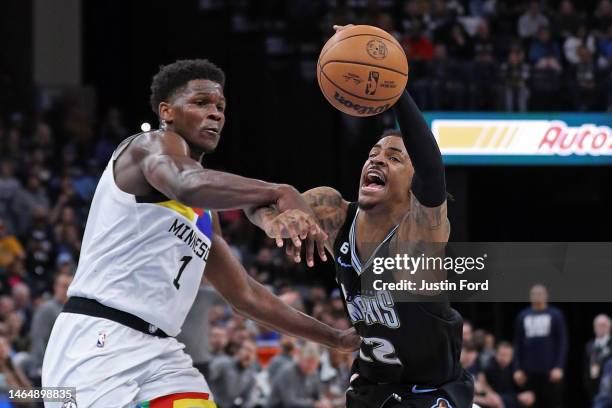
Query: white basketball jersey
(142, 255)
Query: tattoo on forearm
(328, 208)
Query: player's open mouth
(211, 131)
(374, 180)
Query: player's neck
(374, 224)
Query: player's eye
(395, 159)
(221, 108)
(200, 102)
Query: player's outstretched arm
(254, 301)
(329, 209)
(428, 215)
(166, 165)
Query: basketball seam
(367, 65)
(356, 96)
(358, 35)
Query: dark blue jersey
(404, 342)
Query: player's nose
(377, 160)
(215, 114)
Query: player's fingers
(289, 249)
(310, 248)
(292, 252)
(276, 233)
(304, 224)
(279, 240)
(340, 27)
(293, 234)
(321, 238)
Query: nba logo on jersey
(442, 403)
(101, 340)
(69, 403)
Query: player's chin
(369, 198)
(208, 144)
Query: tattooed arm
(329, 210)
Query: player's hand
(348, 340)
(520, 378)
(298, 226)
(290, 199)
(339, 28)
(556, 375)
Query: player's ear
(166, 113)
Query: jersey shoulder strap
(343, 233)
(124, 145)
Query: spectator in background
(232, 379)
(498, 375)
(335, 374)
(544, 52)
(297, 384)
(469, 358)
(567, 19)
(583, 84)
(11, 375)
(602, 17)
(418, 47)
(11, 249)
(23, 305)
(40, 246)
(9, 188)
(439, 19)
(540, 344)
(42, 324)
(445, 88)
(485, 344)
(484, 73)
(112, 133)
(459, 43)
(288, 348)
(604, 49)
(580, 37)
(515, 74)
(597, 352)
(218, 341)
(530, 22)
(603, 399)
(468, 331)
(196, 329)
(34, 195)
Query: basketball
(362, 70)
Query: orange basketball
(362, 70)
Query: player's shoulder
(159, 142)
(325, 196)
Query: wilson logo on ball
(376, 49)
(361, 109)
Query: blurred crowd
(46, 186)
(463, 54)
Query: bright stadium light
(145, 127)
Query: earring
(163, 125)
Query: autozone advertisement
(525, 141)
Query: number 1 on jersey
(185, 260)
